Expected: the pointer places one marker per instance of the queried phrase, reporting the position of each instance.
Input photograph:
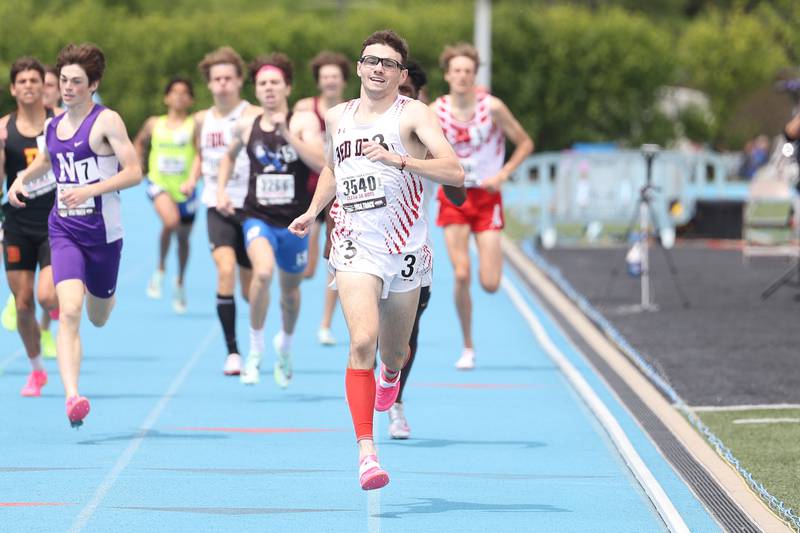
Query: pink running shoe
(77, 409)
(386, 391)
(36, 380)
(54, 314)
(370, 473)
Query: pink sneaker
(54, 314)
(77, 409)
(36, 380)
(386, 391)
(370, 473)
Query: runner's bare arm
(226, 164)
(188, 186)
(38, 168)
(523, 145)
(116, 135)
(326, 185)
(252, 111)
(306, 138)
(304, 104)
(3, 137)
(442, 166)
(142, 140)
(792, 129)
(329, 224)
(457, 195)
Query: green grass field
(768, 447)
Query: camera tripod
(646, 217)
(784, 279)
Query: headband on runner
(267, 68)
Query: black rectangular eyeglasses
(387, 63)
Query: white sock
(285, 341)
(388, 384)
(257, 340)
(36, 362)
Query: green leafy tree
(728, 56)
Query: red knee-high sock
(360, 388)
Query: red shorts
(483, 211)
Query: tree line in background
(571, 71)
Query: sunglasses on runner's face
(388, 64)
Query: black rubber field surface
(728, 347)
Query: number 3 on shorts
(349, 249)
(408, 271)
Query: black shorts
(227, 231)
(24, 250)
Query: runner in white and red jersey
(477, 125)
(375, 162)
(331, 71)
(224, 71)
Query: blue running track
(173, 445)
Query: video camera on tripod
(637, 258)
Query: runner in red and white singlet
(477, 125)
(331, 71)
(375, 161)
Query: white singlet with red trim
(377, 205)
(479, 143)
(215, 137)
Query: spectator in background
(756, 155)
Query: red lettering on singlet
(345, 149)
(215, 139)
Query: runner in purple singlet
(92, 159)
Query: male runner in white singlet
(331, 71)
(223, 69)
(375, 162)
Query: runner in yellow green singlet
(166, 146)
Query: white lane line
(651, 486)
(152, 417)
(373, 511)
(11, 358)
(767, 421)
(713, 408)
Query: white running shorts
(399, 272)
